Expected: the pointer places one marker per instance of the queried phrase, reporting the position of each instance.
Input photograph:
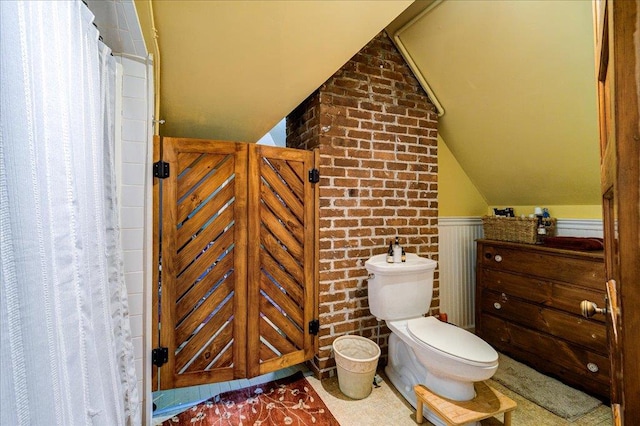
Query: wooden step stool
(487, 403)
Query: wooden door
(203, 275)
(281, 258)
(618, 63)
(212, 244)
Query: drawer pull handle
(592, 367)
(498, 258)
(497, 305)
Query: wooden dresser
(528, 307)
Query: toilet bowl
(445, 358)
(454, 358)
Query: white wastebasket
(357, 359)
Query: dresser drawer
(586, 270)
(558, 295)
(572, 328)
(528, 306)
(576, 365)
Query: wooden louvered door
(281, 258)
(203, 290)
(237, 280)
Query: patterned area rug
(288, 401)
(547, 392)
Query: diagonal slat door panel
(203, 293)
(282, 191)
(294, 181)
(238, 260)
(185, 159)
(267, 353)
(282, 300)
(207, 260)
(214, 182)
(196, 246)
(193, 176)
(281, 211)
(284, 280)
(212, 207)
(275, 339)
(199, 292)
(280, 255)
(279, 231)
(197, 342)
(298, 168)
(281, 258)
(224, 358)
(199, 315)
(283, 323)
(212, 350)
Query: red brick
(371, 125)
(359, 232)
(381, 90)
(370, 202)
(377, 136)
(395, 129)
(370, 106)
(359, 134)
(372, 222)
(374, 165)
(360, 173)
(345, 223)
(362, 115)
(359, 153)
(345, 162)
(384, 118)
(379, 179)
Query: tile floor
(384, 406)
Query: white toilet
(445, 358)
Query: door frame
(618, 65)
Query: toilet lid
(452, 340)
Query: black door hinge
(161, 169)
(160, 356)
(314, 327)
(314, 175)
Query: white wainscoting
(579, 228)
(457, 261)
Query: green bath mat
(553, 395)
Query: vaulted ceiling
(515, 78)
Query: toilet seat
(452, 341)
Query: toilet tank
(400, 290)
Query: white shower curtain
(65, 347)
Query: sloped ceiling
(517, 82)
(516, 78)
(232, 69)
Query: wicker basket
(515, 229)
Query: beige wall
(457, 195)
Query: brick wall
(376, 132)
